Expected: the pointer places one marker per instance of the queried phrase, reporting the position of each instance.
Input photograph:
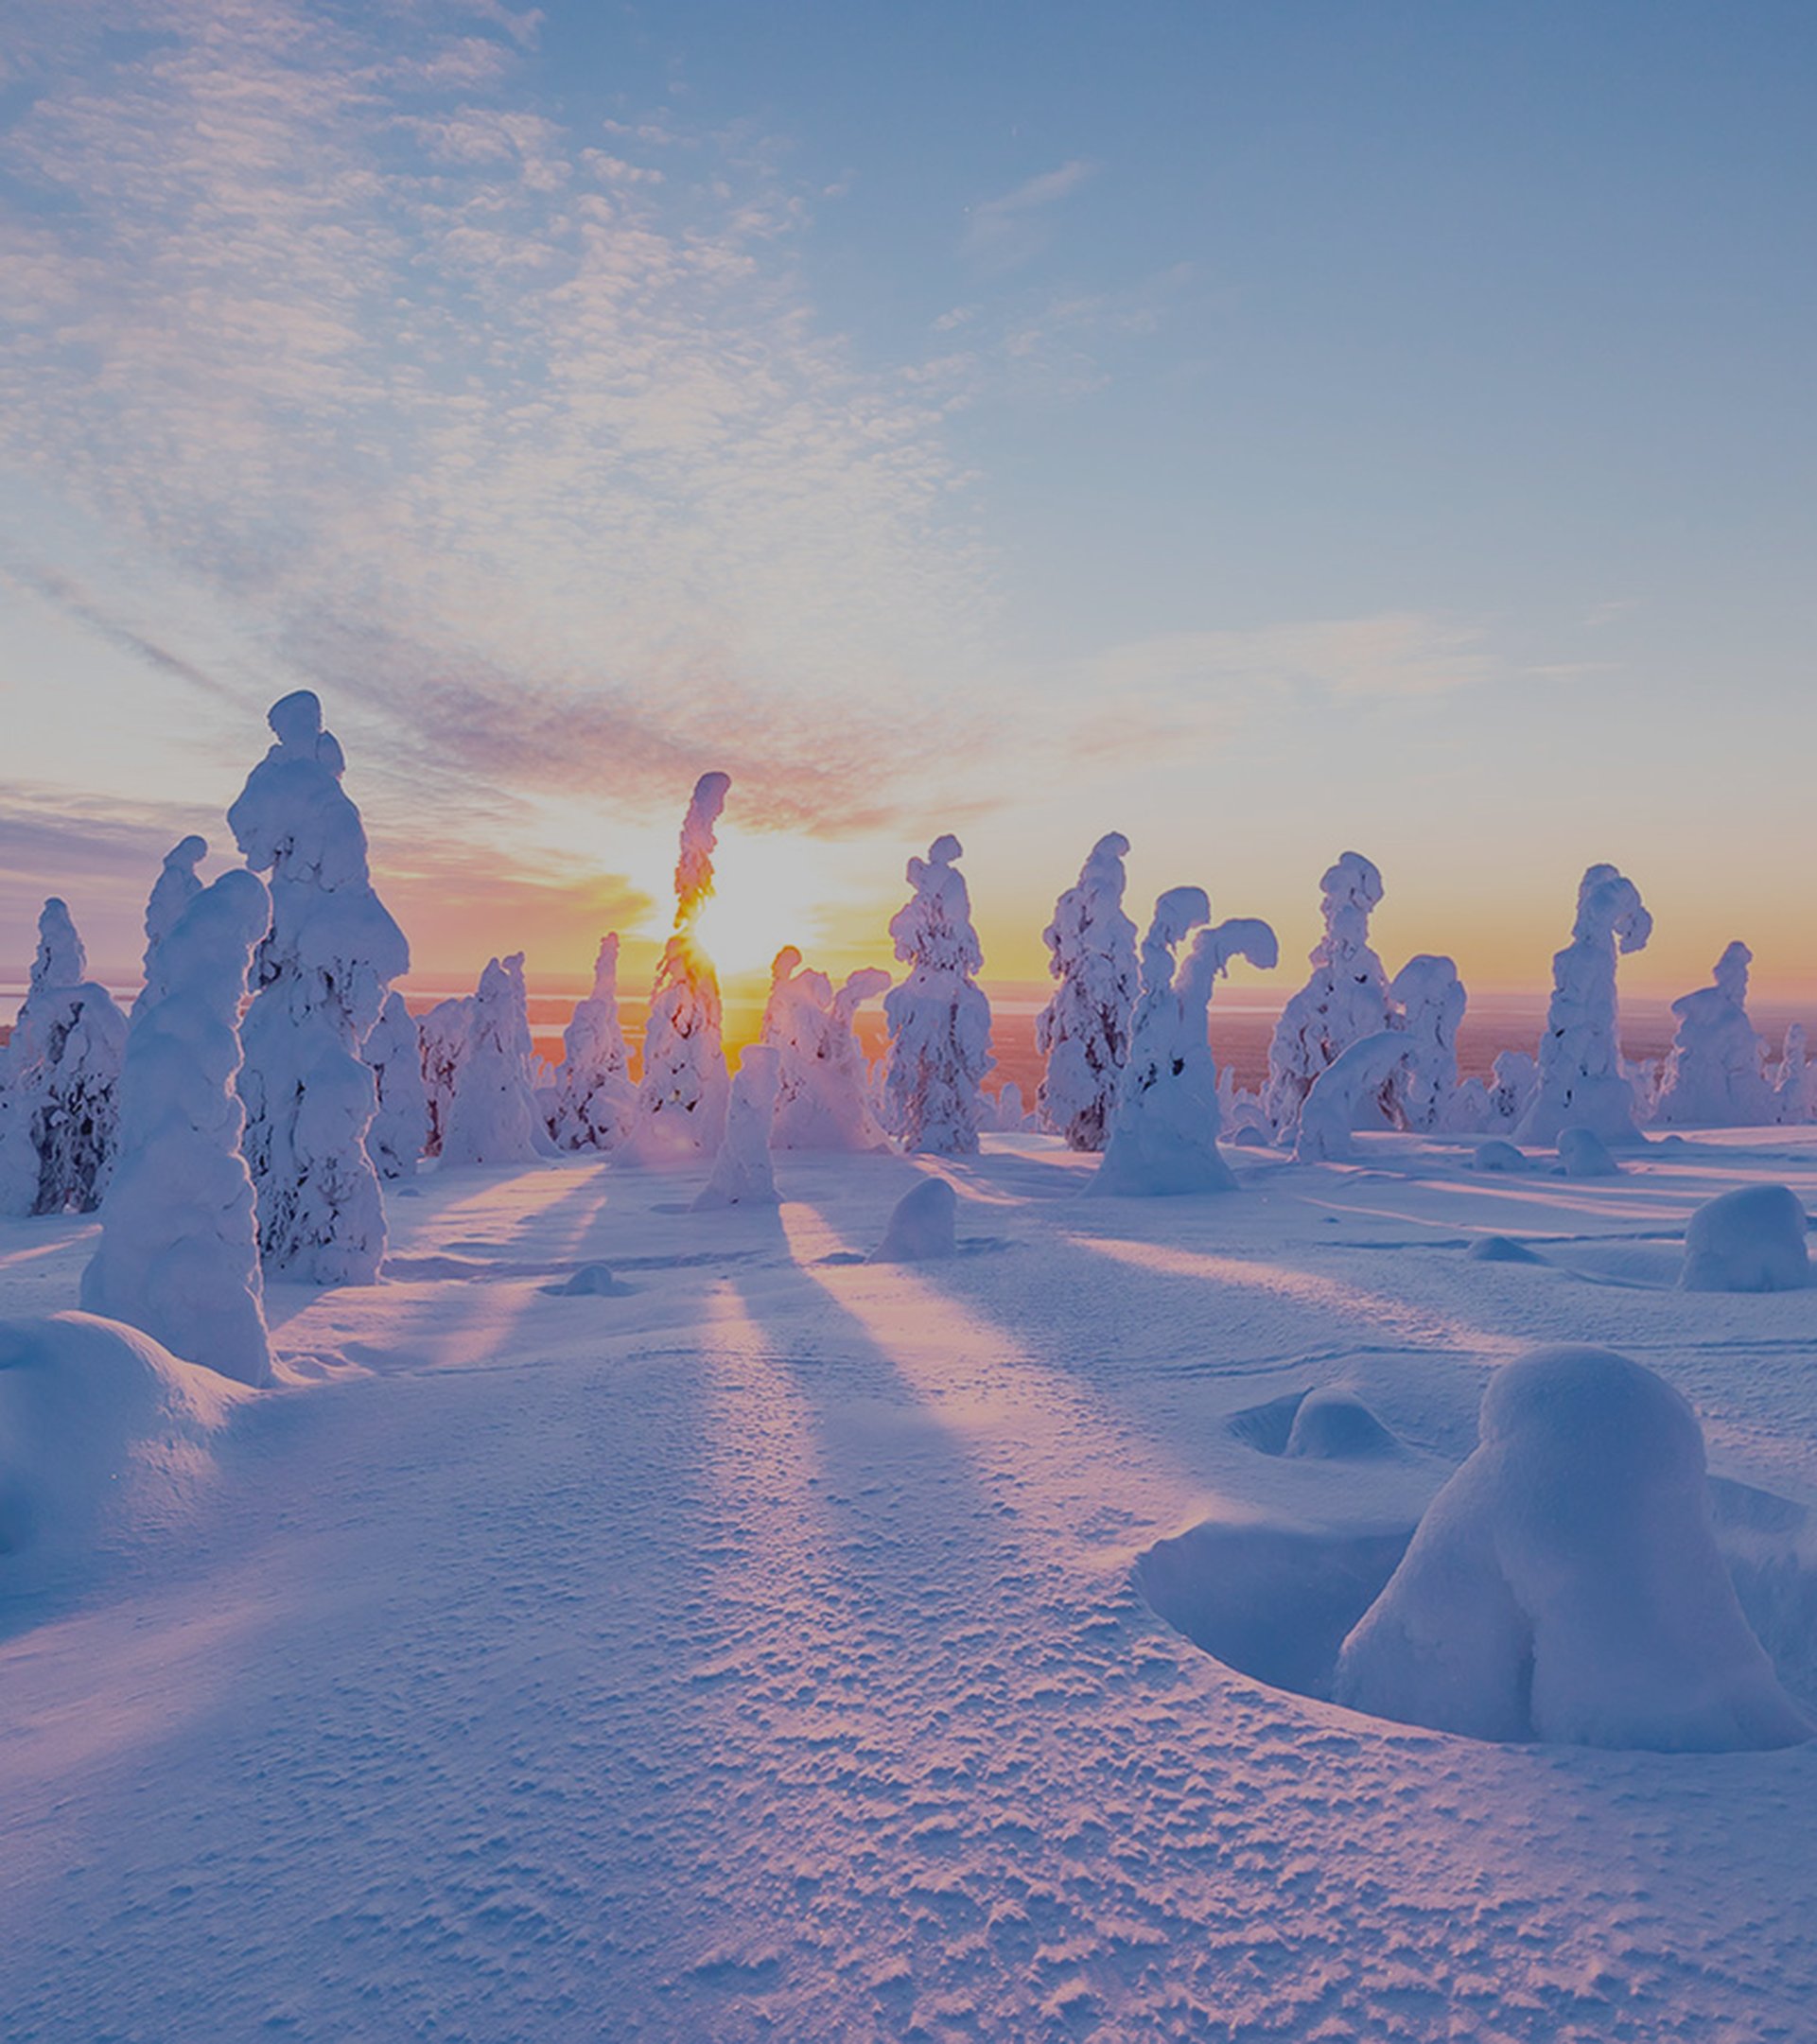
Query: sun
(768, 891)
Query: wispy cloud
(1009, 230)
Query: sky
(1263, 430)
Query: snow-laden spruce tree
(1083, 1032)
(1794, 1082)
(400, 1126)
(595, 1101)
(62, 1070)
(1163, 1132)
(1582, 1083)
(1428, 1001)
(443, 1031)
(743, 1175)
(1345, 1000)
(178, 884)
(823, 1091)
(1716, 1076)
(493, 1117)
(681, 1103)
(320, 980)
(939, 1017)
(179, 1250)
(1347, 1095)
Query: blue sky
(1260, 429)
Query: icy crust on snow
(1582, 1081)
(1565, 1584)
(1163, 1134)
(320, 980)
(105, 1437)
(492, 1115)
(939, 1017)
(923, 1226)
(823, 1098)
(1754, 1239)
(179, 1249)
(1716, 1074)
(400, 1125)
(1345, 1000)
(595, 1101)
(1083, 1032)
(682, 1100)
(741, 1174)
(61, 1072)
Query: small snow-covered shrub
(939, 1017)
(742, 1174)
(923, 1226)
(1330, 1425)
(1583, 1154)
(1083, 1032)
(1497, 1155)
(1344, 1093)
(1565, 1584)
(1750, 1240)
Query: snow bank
(321, 978)
(400, 1129)
(1716, 1076)
(1083, 1032)
(1565, 1584)
(742, 1174)
(1163, 1134)
(1345, 1000)
(823, 1083)
(493, 1117)
(1751, 1240)
(925, 1225)
(1581, 1076)
(104, 1437)
(682, 1100)
(179, 1249)
(595, 1101)
(938, 1019)
(60, 1111)
(1347, 1091)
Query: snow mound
(1334, 1426)
(1565, 1584)
(1503, 1249)
(1583, 1154)
(1495, 1155)
(591, 1281)
(925, 1225)
(1750, 1240)
(104, 1436)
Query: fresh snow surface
(756, 1651)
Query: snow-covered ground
(758, 1648)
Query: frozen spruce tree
(320, 980)
(59, 1109)
(1430, 1001)
(493, 1117)
(179, 1249)
(178, 884)
(1582, 1083)
(681, 1102)
(595, 1101)
(443, 1031)
(400, 1129)
(1345, 1000)
(1794, 1082)
(1716, 1076)
(938, 1019)
(1163, 1133)
(823, 1083)
(1083, 1032)
(741, 1174)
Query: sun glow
(768, 892)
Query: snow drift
(1751, 1240)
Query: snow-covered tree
(1582, 1082)
(179, 1249)
(493, 1117)
(823, 1094)
(1083, 1032)
(401, 1123)
(1345, 1000)
(1163, 1134)
(1429, 1008)
(682, 1099)
(1716, 1076)
(1342, 1094)
(1514, 1083)
(1794, 1082)
(178, 884)
(595, 1101)
(742, 1174)
(60, 1111)
(320, 980)
(939, 1017)
(443, 1031)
